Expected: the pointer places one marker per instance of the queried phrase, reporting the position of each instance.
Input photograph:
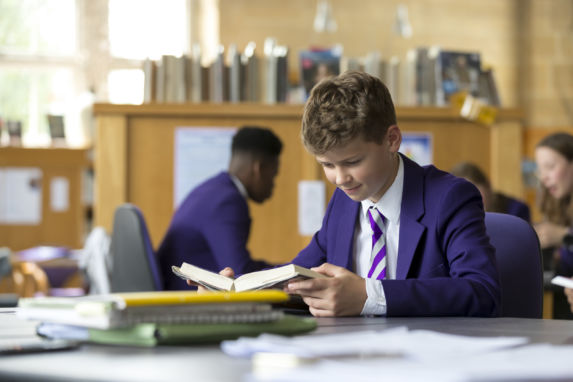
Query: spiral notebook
(128, 309)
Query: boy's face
(363, 170)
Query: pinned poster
(311, 204)
(418, 147)
(60, 194)
(20, 195)
(200, 153)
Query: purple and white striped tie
(378, 255)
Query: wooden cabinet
(62, 217)
(134, 160)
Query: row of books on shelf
(239, 77)
(427, 76)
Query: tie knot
(376, 219)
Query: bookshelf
(134, 158)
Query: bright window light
(38, 27)
(148, 28)
(28, 95)
(126, 86)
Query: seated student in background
(493, 201)
(398, 239)
(210, 229)
(554, 159)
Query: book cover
(317, 64)
(195, 80)
(488, 88)
(459, 72)
(217, 78)
(149, 80)
(281, 53)
(235, 74)
(252, 75)
(270, 72)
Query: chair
(519, 263)
(134, 264)
(26, 279)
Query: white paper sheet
(417, 344)
(311, 205)
(59, 194)
(20, 195)
(200, 153)
(402, 355)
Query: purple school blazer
(210, 229)
(446, 264)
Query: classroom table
(209, 363)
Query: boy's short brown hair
(344, 107)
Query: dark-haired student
(398, 239)
(493, 201)
(210, 228)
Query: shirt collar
(390, 203)
(240, 186)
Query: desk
(208, 363)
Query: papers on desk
(399, 354)
(397, 342)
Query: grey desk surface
(208, 363)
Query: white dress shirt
(389, 205)
(240, 186)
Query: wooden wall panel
(110, 168)
(59, 228)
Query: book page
(206, 278)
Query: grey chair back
(134, 263)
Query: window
(56, 56)
(161, 27)
(38, 68)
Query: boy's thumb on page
(228, 271)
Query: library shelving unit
(134, 160)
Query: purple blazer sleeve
(446, 264)
(210, 229)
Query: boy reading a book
(397, 239)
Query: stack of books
(166, 317)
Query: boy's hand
(342, 294)
(228, 271)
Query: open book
(274, 277)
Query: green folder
(150, 334)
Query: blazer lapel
(412, 210)
(345, 236)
